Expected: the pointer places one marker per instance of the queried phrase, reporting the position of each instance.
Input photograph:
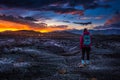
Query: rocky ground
(58, 59)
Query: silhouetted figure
(85, 45)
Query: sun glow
(12, 26)
(6, 25)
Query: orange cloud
(113, 20)
(7, 25)
(79, 12)
(13, 26)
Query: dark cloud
(58, 26)
(27, 3)
(41, 3)
(14, 12)
(60, 10)
(29, 18)
(30, 22)
(43, 24)
(58, 5)
(16, 19)
(83, 23)
(61, 26)
(22, 20)
(66, 21)
(96, 5)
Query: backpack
(86, 40)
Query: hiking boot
(82, 64)
(87, 62)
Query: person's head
(85, 30)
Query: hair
(85, 29)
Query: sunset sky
(52, 15)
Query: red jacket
(81, 39)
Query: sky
(54, 15)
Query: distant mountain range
(98, 32)
(68, 33)
(31, 33)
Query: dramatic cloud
(112, 23)
(13, 26)
(115, 19)
(64, 10)
(26, 23)
(19, 19)
(12, 18)
(58, 6)
(36, 4)
(14, 12)
(40, 14)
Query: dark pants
(86, 51)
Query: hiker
(85, 45)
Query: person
(85, 45)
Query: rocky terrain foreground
(58, 59)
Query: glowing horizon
(12, 26)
